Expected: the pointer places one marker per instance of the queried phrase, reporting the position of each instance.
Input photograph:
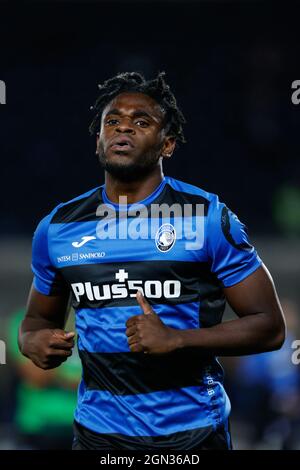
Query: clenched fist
(48, 348)
(147, 333)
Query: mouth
(122, 144)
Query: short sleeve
(232, 256)
(47, 279)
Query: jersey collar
(148, 200)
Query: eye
(142, 123)
(111, 122)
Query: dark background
(230, 65)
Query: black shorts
(85, 439)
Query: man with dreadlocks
(148, 303)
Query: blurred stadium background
(231, 65)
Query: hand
(48, 348)
(147, 333)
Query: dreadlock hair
(157, 89)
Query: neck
(135, 190)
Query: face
(132, 140)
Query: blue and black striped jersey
(103, 253)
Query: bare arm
(41, 335)
(260, 326)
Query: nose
(125, 126)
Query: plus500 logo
(150, 289)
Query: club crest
(165, 237)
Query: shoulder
(71, 210)
(216, 209)
(183, 187)
(190, 193)
(221, 221)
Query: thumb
(61, 334)
(144, 304)
(58, 333)
(69, 334)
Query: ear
(168, 146)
